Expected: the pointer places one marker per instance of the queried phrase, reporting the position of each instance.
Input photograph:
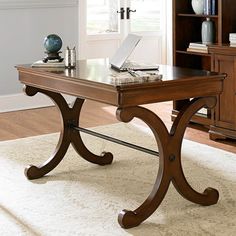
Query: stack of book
(209, 7)
(49, 64)
(118, 78)
(197, 47)
(232, 39)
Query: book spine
(200, 48)
(213, 7)
(204, 7)
(207, 7)
(197, 50)
(197, 45)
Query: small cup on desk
(70, 58)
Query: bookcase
(186, 29)
(224, 61)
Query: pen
(133, 73)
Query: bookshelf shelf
(193, 53)
(198, 16)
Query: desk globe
(52, 43)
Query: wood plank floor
(33, 122)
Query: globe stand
(52, 56)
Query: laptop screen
(125, 50)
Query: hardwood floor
(33, 122)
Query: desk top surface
(99, 71)
(94, 79)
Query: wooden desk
(92, 80)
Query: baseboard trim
(17, 102)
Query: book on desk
(49, 64)
(134, 77)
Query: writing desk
(92, 80)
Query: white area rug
(80, 198)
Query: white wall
(169, 33)
(23, 26)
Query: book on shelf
(203, 111)
(197, 47)
(199, 50)
(213, 7)
(209, 7)
(49, 64)
(232, 35)
(232, 41)
(232, 38)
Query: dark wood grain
(170, 168)
(224, 61)
(91, 80)
(69, 116)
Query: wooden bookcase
(224, 61)
(186, 29)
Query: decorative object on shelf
(70, 58)
(52, 43)
(208, 31)
(198, 6)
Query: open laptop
(119, 60)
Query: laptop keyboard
(130, 65)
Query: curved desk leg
(67, 135)
(126, 218)
(170, 168)
(104, 159)
(210, 196)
